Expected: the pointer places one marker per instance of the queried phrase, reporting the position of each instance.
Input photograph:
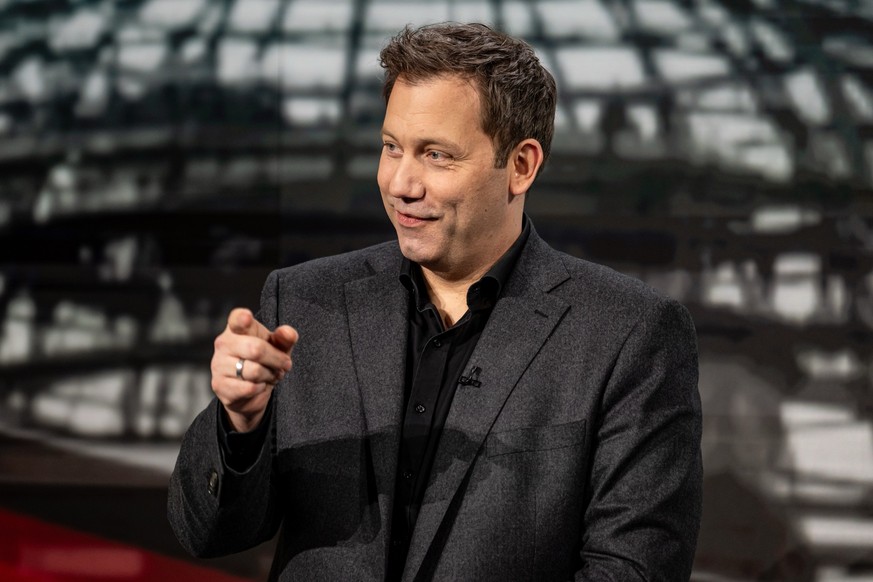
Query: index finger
(242, 322)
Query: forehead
(446, 101)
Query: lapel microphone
(472, 379)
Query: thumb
(284, 337)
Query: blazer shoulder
(317, 275)
(612, 294)
(321, 281)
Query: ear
(524, 163)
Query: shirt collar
(482, 294)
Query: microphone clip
(472, 379)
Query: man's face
(447, 201)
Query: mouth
(411, 220)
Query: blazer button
(213, 483)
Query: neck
(449, 295)
(448, 287)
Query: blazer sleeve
(213, 509)
(643, 513)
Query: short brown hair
(518, 95)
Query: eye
(390, 148)
(436, 156)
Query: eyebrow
(448, 144)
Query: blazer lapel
(518, 327)
(377, 314)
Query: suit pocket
(537, 438)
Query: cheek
(382, 176)
(477, 197)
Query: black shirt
(436, 360)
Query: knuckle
(244, 348)
(252, 350)
(222, 343)
(251, 370)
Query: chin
(414, 252)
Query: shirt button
(396, 542)
(437, 343)
(419, 408)
(407, 475)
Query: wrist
(243, 422)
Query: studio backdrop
(159, 157)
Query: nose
(400, 177)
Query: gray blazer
(577, 456)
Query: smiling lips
(411, 220)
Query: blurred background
(159, 157)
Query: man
(466, 403)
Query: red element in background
(37, 551)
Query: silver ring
(239, 368)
